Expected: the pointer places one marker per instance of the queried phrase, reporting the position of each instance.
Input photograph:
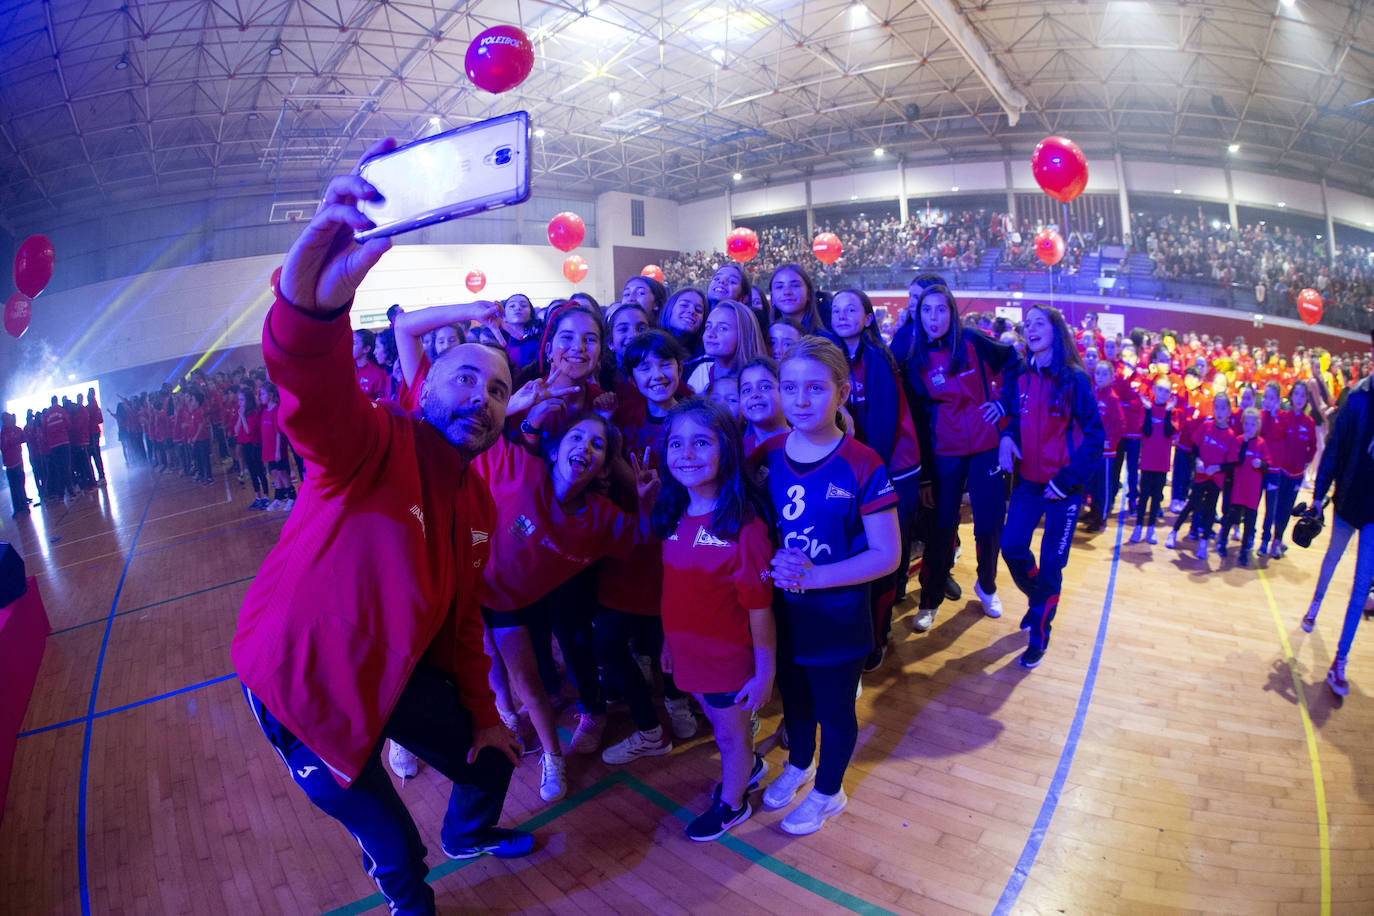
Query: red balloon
(1060, 168)
(827, 248)
(652, 270)
(17, 311)
(475, 281)
(575, 268)
(499, 59)
(1049, 246)
(742, 244)
(276, 283)
(566, 231)
(33, 265)
(1310, 306)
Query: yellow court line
(1323, 828)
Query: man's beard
(467, 429)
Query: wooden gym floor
(1176, 752)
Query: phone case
(467, 170)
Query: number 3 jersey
(820, 508)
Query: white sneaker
(553, 778)
(1136, 534)
(782, 790)
(1150, 537)
(1172, 540)
(586, 737)
(992, 604)
(403, 763)
(680, 717)
(810, 815)
(639, 744)
(924, 619)
(1176, 507)
(1201, 553)
(286, 506)
(274, 505)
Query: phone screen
(457, 173)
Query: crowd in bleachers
(1268, 263)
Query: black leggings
(1151, 494)
(824, 695)
(573, 608)
(614, 630)
(252, 456)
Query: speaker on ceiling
(12, 583)
(913, 111)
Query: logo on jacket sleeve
(419, 517)
(478, 537)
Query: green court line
(620, 778)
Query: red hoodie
(379, 564)
(1301, 446)
(1109, 406)
(1247, 481)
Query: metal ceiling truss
(105, 100)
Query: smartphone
(457, 173)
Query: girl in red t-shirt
(720, 640)
(551, 525)
(249, 435)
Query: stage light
(739, 177)
(879, 152)
(1233, 148)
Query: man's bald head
(465, 395)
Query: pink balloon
(827, 248)
(575, 268)
(1060, 168)
(742, 244)
(499, 59)
(566, 231)
(17, 312)
(33, 265)
(652, 270)
(475, 280)
(276, 283)
(1310, 306)
(1049, 247)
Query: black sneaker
(1026, 622)
(952, 590)
(716, 821)
(875, 659)
(1031, 657)
(494, 841)
(1243, 559)
(756, 775)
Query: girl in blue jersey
(837, 527)
(1057, 433)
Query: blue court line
(109, 712)
(1017, 881)
(90, 715)
(135, 610)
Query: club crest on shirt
(522, 526)
(478, 537)
(834, 492)
(705, 538)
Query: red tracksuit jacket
(379, 564)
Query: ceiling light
(955, 188)
(1178, 190)
(538, 132)
(434, 121)
(614, 97)
(853, 197)
(122, 63)
(1282, 204)
(718, 54)
(1289, 2)
(879, 152)
(739, 176)
(1233, 148)
(275, 50)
